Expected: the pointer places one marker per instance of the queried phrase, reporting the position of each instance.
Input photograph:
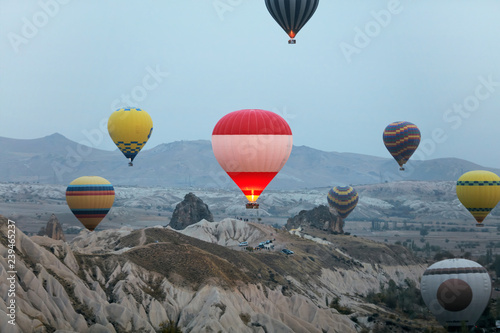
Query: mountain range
(54, 159)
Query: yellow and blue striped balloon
(479, 192)
(130, 129)
(343, 199)
(90, 199)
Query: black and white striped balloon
(292, 15)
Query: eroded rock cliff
(135, 280)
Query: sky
(358, 65)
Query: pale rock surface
(55, 291)
(98, 328)
(60, 249)
(297, 232)
(98, 242)
(228, 232)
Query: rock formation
(228, 232)
(53, 229)
(321, 217)
(189, 211)
(138, 280)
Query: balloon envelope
(130, 129)
(479, 192)
(90, 198)
(291, 15)
(343, 199)
(401, 139)
(456, 290)
(252, 146)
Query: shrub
(170, 327)
(245, 318)
(335, 303)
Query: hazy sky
(358, 65)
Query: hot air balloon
(401, 139)
(130, 129)
(343, 199)
(456, 291)
(292, 15)
(479, 192)
(90, 198)
(252, 146)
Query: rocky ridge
(124, 280)
(228, 232)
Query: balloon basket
(292, 41)
(130, 164)
(252, 205)
(479, 225)
(401, 169)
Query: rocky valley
(199, 279)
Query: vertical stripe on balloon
(292, 15)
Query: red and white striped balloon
(252, 146)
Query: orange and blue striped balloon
(90, 199)
(401, 139)
(343, 199)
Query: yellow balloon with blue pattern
(479, 192)
(130, 129)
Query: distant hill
(54, 159)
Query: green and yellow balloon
(479, 192)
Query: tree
(489, 256)
(443, 255)
(487, 319)
(170, 327)
(496, 265)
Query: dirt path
(142, 239)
